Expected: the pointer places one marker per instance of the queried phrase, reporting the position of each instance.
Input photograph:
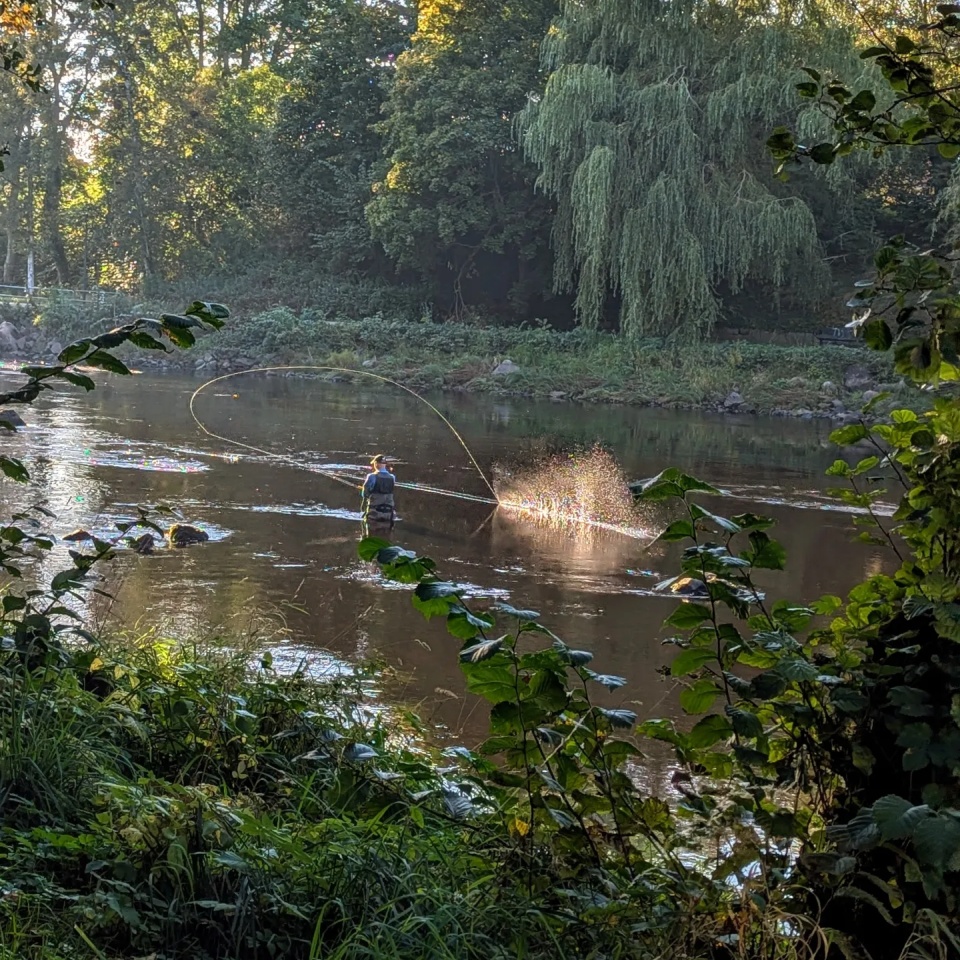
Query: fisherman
(377, 494)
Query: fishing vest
(381, 496)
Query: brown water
(285, 538)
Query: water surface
(284, 537)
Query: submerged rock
(77, 536)
(143, 544)
(183, 534)
(689, 587)
(12, 418)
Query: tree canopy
(541, 159)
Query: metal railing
(11, 293)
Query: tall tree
(326, 147)
(456, 204)
(649, 137)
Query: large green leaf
(691, 659)
(745, 723)
(700, 697)
(619, 717)
(464, 625)
(106, 361)
(897, 817)
(492, 679)
(14, 469)
(709, 731)
(369, 547)
(73, 352)
(522, 615)
(481, 651)
(678, 530)
(688, 615)
(434, 598)
(725, 524)
(210, 313)
(766, 554)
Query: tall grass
(175, 800)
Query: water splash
(584, 488)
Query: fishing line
(329, 473)
(349, 481)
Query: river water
(283, 538)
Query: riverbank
(583, 366)
(167, 800)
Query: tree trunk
(53, 192)
(14, 167)
(247, 49)
(201, 34)
(137, 172)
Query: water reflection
(284, 539)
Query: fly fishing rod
(334, 475)
(344, 478)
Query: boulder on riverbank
(8, 339)
(857, 377)
(505, 368)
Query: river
(283, 538)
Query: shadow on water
(286, 537)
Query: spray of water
(583, 488)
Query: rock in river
(12, 418)
(182, 534)
(144, 544)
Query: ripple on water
(130, 458)
(367, 573)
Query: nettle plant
(836, 726)
(561, 771)
(34, 620)
(819, 773)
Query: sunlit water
(284, 537)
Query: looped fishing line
(329, 473)
(339, 477)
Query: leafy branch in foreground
(33, 621)
(839, 720)
(561, 769)
(911, 303)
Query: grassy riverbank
(179, 802)
(577, 365)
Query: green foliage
(623, 139)
(910, 303)
(559, 768)
(37, 623)
(191, 803)
(325, 144)
(456, 203)
(851, 707)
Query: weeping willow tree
(650, 138)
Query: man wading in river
(377, 496)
